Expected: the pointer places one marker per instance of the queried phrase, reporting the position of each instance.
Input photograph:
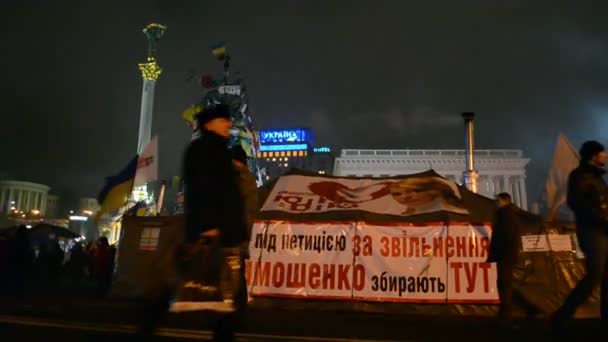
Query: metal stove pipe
(470, 175)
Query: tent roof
(481, 209)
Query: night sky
(362, 74)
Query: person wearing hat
(212, 198)
(588, 199)
(214, 209)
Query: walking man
(504, 251)
(588, 199)
(213, 205)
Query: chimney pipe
(470, 175)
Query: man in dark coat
(588, 199)
(213, 210)
(213, 206)
(504, 251)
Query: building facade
(284, 149)
(52, 206)
(89, 205)
(23, 196)
(292, 148)
(499, 170)
(321, 161)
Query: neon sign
(283, 136)
(291, 147)
(323, 149)
(78, 218)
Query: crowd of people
(50, 266)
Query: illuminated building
(321, 161)
(23, 197)
(499, 170)
(89, 206)
(284, 149)
(83, 221)
(84, 225)
(292, 148)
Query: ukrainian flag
(190, 113)
(117, 189)
(219, 51)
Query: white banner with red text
(384, 263)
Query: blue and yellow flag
(117, 189)
(190, 113)
(219, 51)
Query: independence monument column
(150, 71)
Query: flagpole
(226, 68)
(565, 159)
(161, 197)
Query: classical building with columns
(499, 170)
(23, 196)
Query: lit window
(301, 153)
(148, 240)
(259, 154)
(305, 153)
(282, 153)
(289, 153)
(271, 154)
(264, 154)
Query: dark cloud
(378, 74)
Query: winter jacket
(506, 236)
(212, 197)
(588, 197)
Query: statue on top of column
(231, 91)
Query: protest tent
(296, 275)
(543, 276)
(146, 256)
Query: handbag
(209, 277)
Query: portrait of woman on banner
(427, 194)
